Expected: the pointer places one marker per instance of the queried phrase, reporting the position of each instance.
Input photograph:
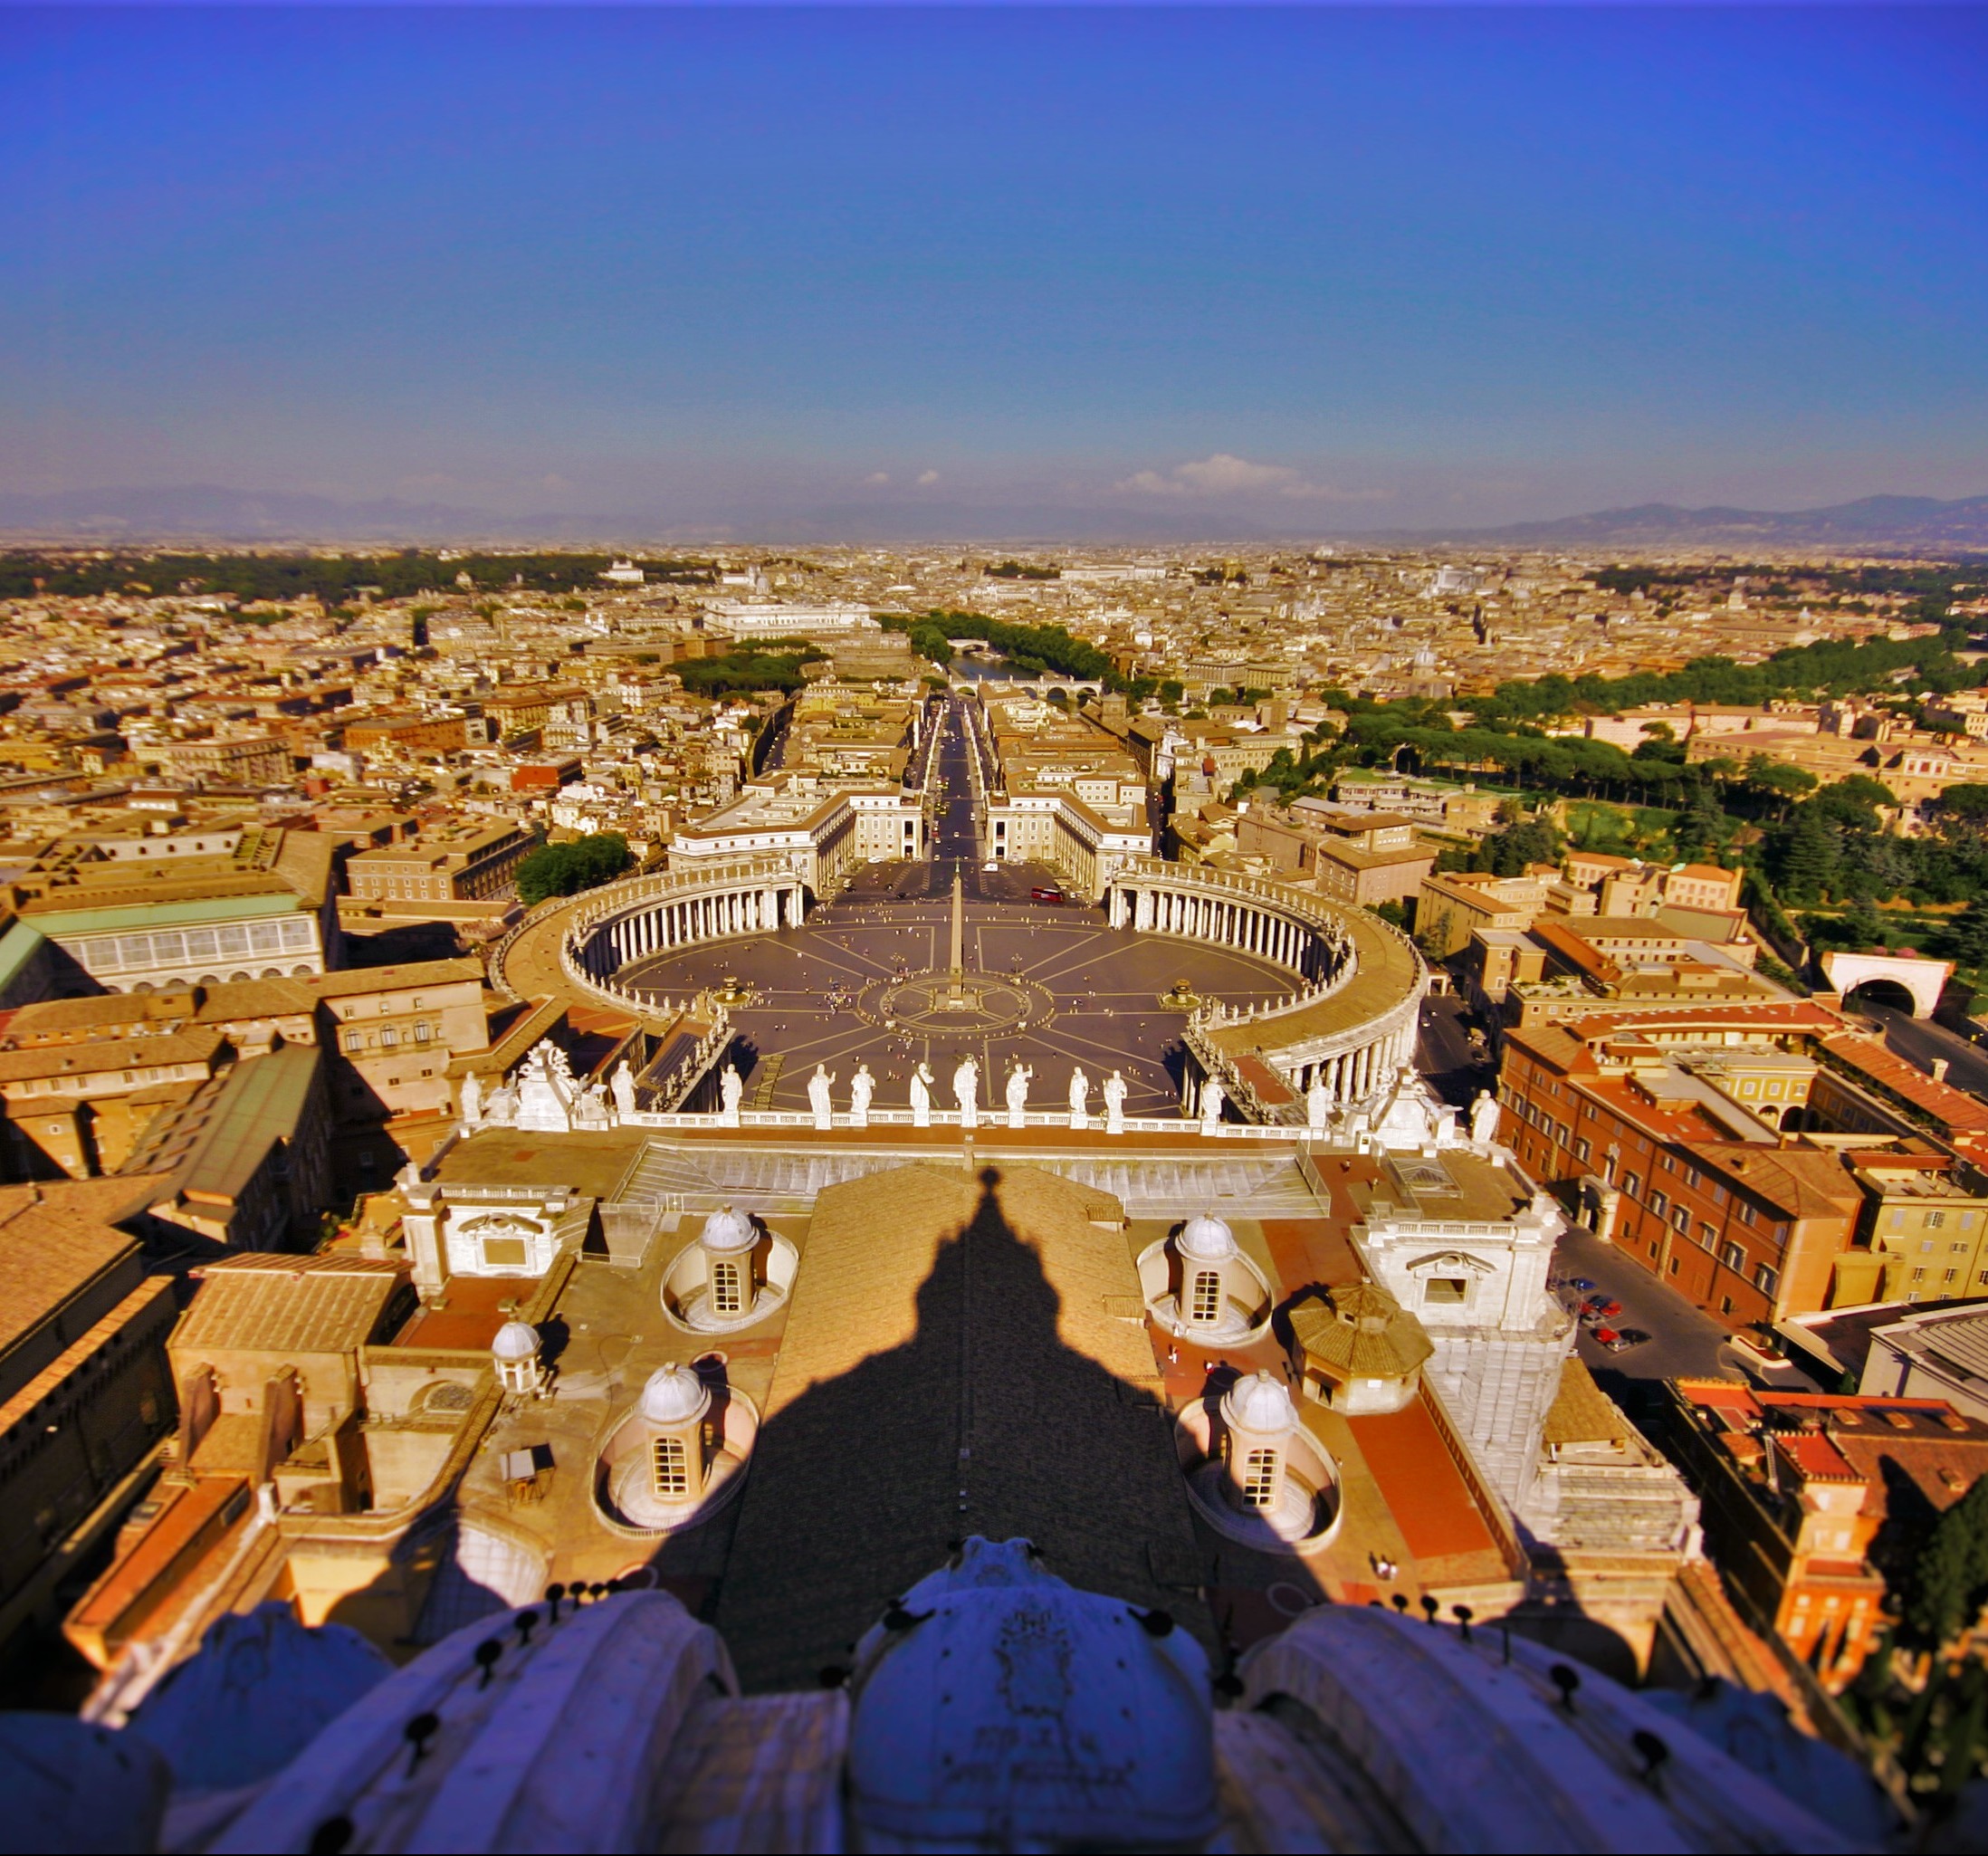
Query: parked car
(1042, 892)
(1619, 1339)
(1602, 1307)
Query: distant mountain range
(1872, 521)
(212, 514)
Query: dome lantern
(1260, 1418)
(515, 1355)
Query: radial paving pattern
(867, 982)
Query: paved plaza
(1053, 988)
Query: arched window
(1260, 1479)
(727, 1289)
(669, 1468)
(1206, 1307)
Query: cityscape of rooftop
(993, 929)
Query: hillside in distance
(214, 514)
(1911, 522)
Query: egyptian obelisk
(958, 969)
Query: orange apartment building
(1691, 1180)
(465, 864)
(1815, 1506)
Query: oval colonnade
(1349, 1022)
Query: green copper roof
(194, 913)
(17, 948)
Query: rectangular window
(1680, 1220)
(1582, 1149)
(1919, 1276)
(1948, 1276)
(1731, 1255)
(1708, 1237)
(669, 1470)
(1260, 1479)
(1658, 1203)
(1445, 1290)
(727, 1293)
(1631, 1184)
(421, 1034)
(1935, 1219)
(1746, 1213)
(388, 1037)
(355, 1040)
(1208, 1298)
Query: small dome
(1208, 1239)
(1260, 1403)
(672, 1394)
(729, 1230)
(515, 1339)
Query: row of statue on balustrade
(545, 1095)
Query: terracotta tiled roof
(53, 1240)
(305, 1305)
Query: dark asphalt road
(1684, 1343)
(1919, 1042)
(1444, 1052)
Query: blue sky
(1322, 270)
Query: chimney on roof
(1940, 1067)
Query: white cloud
(1224, 474)
(927, 478)
(876, 479)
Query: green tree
(1950, 1577)
(565, 869)
(1865, 925)
(1962, 810)
(1702, 826)
(1967, 935)
(1809, 860)
(1511, 851)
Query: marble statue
(730, 1088)
(966, 1092)
(861, 1087)
(1080, 1099)
(1484, 1117)
(1212, 1098)
(590, 1106)
(472, 1099)
(920, 1096)
(1018, 1096)
(545, 1092)
(818, 1097)
(501, 1110)
(625, 1090)
(1318, 1104)
(1115, 1104)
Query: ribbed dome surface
(1207, 1238)
(1259, 1402)
(515, 1339)
(672, 1394)
(729, 1230)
